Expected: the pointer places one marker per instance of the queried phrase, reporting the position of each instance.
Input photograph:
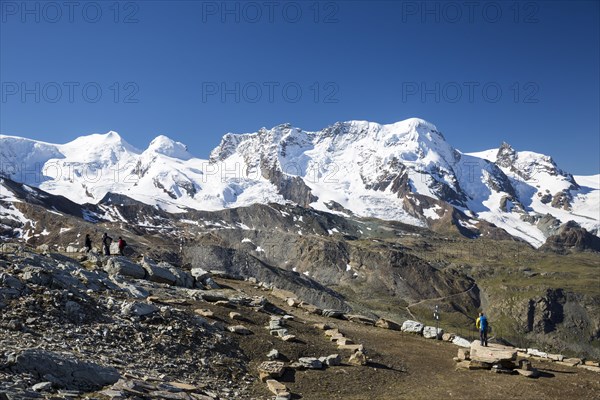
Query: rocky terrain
(115, 328)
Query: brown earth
(400, 365)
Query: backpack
(483, 323)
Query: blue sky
(522, 72)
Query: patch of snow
(432, 213)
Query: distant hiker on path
(482, 325)
(106, 241)
(122, 245)
(88, 243)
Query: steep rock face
(233, 262)
(545, 313)
(555, 319)
(571, 236)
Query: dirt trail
(402, 366)
(436, 299)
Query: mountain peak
(506, 155)
(112, 135)
(169, 147)
(98, 145)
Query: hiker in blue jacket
(482, 325)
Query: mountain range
(405, 171)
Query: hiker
(88, 243)
(121, 243)
(482, 325)
(106, 241)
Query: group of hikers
(106, 242)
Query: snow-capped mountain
(404, 171)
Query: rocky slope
(113, 328)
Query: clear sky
(522, 72)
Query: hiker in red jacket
(121, 243)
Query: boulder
(499, 369)
(277, 388)
(344, 341)
(462, 342)
(322, 327)
(333, 360)
(333, 313)
(310, 363)
(570, 362)
(134, 291)
(276, 323)
(183, 278)
(43, 248)
(589, 367)
(281, 332)
(156, 273)
(525, 365)
(209, 283)
(63, 370)
(448, 337)
(412, 327)
(556, 357)
(270, 369)
(293, 302)
(11, 282)
(463, 354)
(199, 273)
(533, 373)
(493, 353)
(351, 347)
(537, 353)
(235, 316)
(387, 324)
(204, 312)
(431, 332)
(358, 358)
(337, 337)
(138, 308)
(42, 387)
(239, 329)
(474, 364)
(124, 266)
(332, 332)
(273, 354)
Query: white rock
(431, 332)
(412, 327)
(138, 308)
(310, 362)
(199, 273)
(462, 342)
(537, 353)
